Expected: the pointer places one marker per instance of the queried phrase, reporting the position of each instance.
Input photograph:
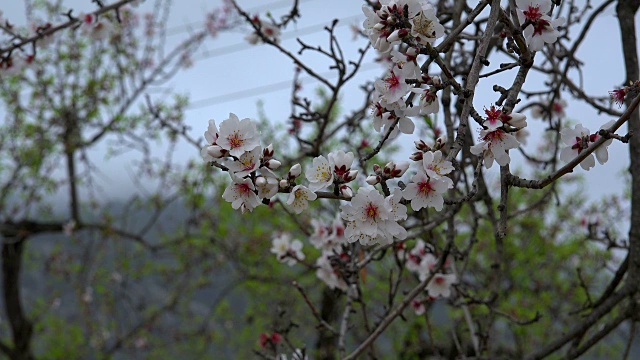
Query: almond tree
(457, 235)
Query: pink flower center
(243, 189)
(540, 26)
(557, 107)
(235, 141)
(425, 188)
(494, 136)
(533, 13)
(372, 211)
(438, 280)
(392, 81)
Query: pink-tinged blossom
(542, 29)
(618, 95)
(577, 140)
(287, 251)
(372, 219)
(269, 31)
(392, 87)
(341, 165)
(240, 193)
(407, 61)
(557, 109)
(237, 136)
(300, 197)
(425, 192)
(328, 274)
(397, 212)
(428, 263)
(327, 236)
(496, 118)
(440, 285)
(602, 153)
(428, 103)
(494, 145)
(415, 256)
(418, 306)
(247, 163)
(97, 29)
(319, 174)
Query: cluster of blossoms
(415, 23)
(496, 137)
(251, 166)
(540, 28)
(578, 139)
(422, 262)
(430, 180)
(268, 30)
(287, 251)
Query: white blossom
(542, 29)
(299, 198)
(372, 219)
(248, 162)
(240, 193)
(287, 251)
(494, 145)
(237, 136)
(440, 285)
(319, 174)
(425, 191)
(328, 274)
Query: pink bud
(416, 156)
(351, 175)
(401, 168)
(346, 191)
(376, 169)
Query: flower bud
(388, 168)
(346, 191)
(295, 171)
(216, 151)
(421, 145)
(351, 175)
(267, 153)
(273, 164)
(284, 184)
(376, 169)
(261, 181)
(416, 156)
(400, 168)
(393, 37)
(373, 179)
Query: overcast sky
(230, 75)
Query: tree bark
(626, 10)
(21, 327)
